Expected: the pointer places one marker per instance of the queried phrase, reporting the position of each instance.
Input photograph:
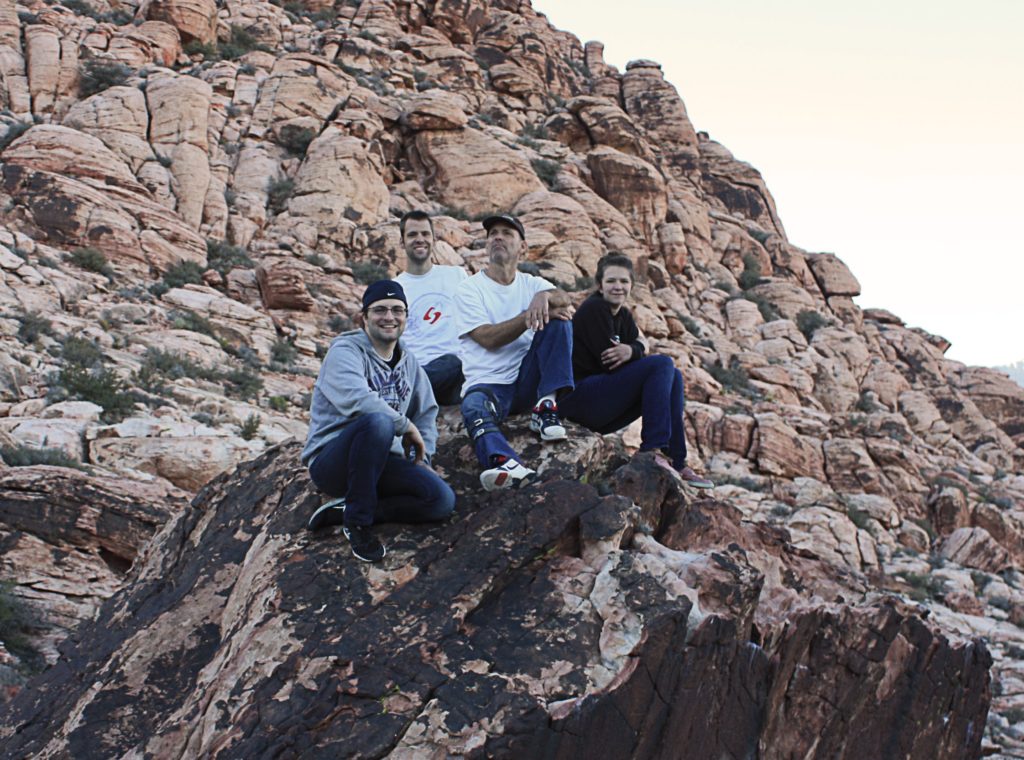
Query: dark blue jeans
(546, 368)
(379, 486)
(650, 387)
(445, 374)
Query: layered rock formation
(192, 195)
(552, 622)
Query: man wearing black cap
(372, 429)
(515, 334)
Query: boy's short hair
(415, 214)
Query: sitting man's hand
(559, 305)
(537, 312)
(412, 443)
(616, 356)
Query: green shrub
(923, 586)
(278, 193)
(296, 141)
(13, 132)
(283, 352)
(91, 260)
(535, 131)
(189, 320)
(367, 272)
(222, 257)
(339, 323)
(183, 273)
(81, 351)
(546, 170)
(690, 324)
(866, 402)
(26, 456)
(97, 75)
(278, 403)
(768, 311)
(33, 326)
(733, 377)
(807, 321)
(243, 383)
(751, 274)
(250, 427)
(240, 42)
(317, 260)
(100, 386)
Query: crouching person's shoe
(329, 513)
(365, 545)
(506, 474)
(694, 480)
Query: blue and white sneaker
(545, 420)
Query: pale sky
(890, 133)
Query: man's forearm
(501, 334)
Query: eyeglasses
(383, 311)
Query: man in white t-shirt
(430, 288)
(515, 334)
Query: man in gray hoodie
(372, 429)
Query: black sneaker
(365, 545)
(329, 513)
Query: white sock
(550, 397)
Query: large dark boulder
(551, 622)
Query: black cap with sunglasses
(382, 289)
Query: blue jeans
(378, 485)
(606, 403)
(445, 375)
(546, 368)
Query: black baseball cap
(505, 219)
(382, 289)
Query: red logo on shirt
(432, 317)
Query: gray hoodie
(354, 381)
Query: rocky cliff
(192, 195)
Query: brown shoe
(693, 479)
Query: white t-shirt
(482, 301)
(430, 331)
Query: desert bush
(278, 193)
(97, 75)
(243, 383)
(339, 323)
(733, 377)
(26, 456)
(278, 403)
(808, 321)
(535, 131)
(250, 427)
(768, 311)
(283, 352)
(367, 272)
(189, 320)
(222, 257)
(690, 324)
(33, 326)
(240, 42)
(91, 260)
(296, 141)
(100, 386)
(81, 351)
(13, 132)
(751, 274)
(546, 170)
